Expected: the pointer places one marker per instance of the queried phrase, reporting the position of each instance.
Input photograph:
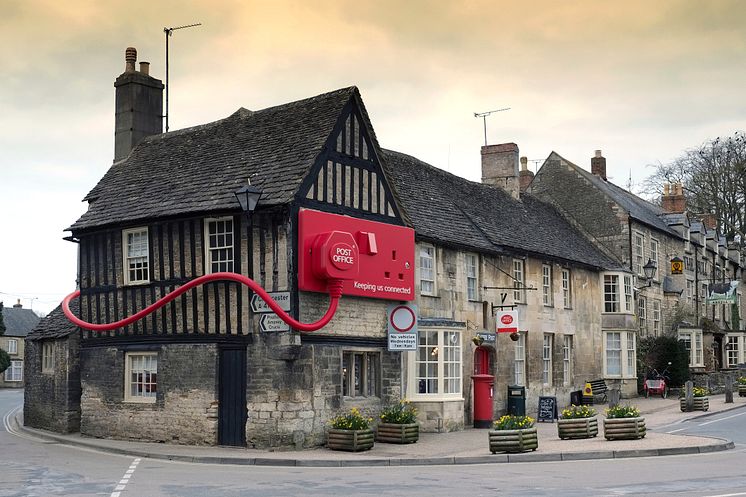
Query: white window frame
(210, 248)
(639, 252)
(143, 398)
(627, 292)
(733, 351)
(472, 276)
(690, 292)
(656, 317)
(642, 314)
(136, 263)
(519, 360)
(623, 353)
(617, 293)
(654, 246)
(14, 373)
(519, 281)
(546, 359)
(566, 288)
(443, 353)
(12, 346)
(368, 362)
(566, 359)
(546, 285)
(47, 356)
(693, 342)
(428, 280)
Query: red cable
(335, 292)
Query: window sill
(136, 283)
(148, 401)
(424, 397)
(432, 295)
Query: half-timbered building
(211, 367)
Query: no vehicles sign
(402, 327)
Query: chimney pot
(130, 57)
(598, 153)
(145, 68)
(18, 305)
(524, 163)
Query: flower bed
(350, 432)
(623, 422)
(577, 422)
(700, 400)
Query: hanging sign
(402, 326)
(677, 266)
(507, 321)
(722, 293)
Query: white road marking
(723, 419)
(126, 478)
(727, 495)
(674, 431)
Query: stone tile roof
(448, 209)
(638, 208)
(55, 325)
(18, 321)
(196, 170)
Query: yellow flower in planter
(512, 422)
(353, 420)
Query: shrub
(401, 413)
(353, 420)
(575, 412)
(742, 380)
(622, 411)
(512, 422)
(656, 353)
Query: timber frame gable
(348, 177)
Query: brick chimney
(709, 220)
(598, 165)
(524, 176)
(500, 167)
(673, 199)
(139, 105)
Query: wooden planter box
(741, 390)
(577, 428)
(513, 440)
(398, 433)
(350, 440)
(624, 428)
(700, 404)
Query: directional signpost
(269, 320)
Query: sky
(642, 81)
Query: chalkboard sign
(547, 409)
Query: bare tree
(714, 179)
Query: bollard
(614, 397)
(728, 389)
(689, 396)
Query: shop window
(438, 363)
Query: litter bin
(483, 393)
(517, 400)
(576, 397)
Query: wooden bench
(594, 389)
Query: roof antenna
(484, 115)
(169, 32)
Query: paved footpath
(465, 447)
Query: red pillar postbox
(484, 387)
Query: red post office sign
(375, 259)
(507, 321)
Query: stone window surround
(367, 355)
(624, 351)
(128, 359)
(47, 356)
(428, 251)
(126, 267)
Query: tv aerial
(484, 115)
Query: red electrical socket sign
(374, 259)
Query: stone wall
(52, 399)
(184, 410)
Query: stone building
(211, 368)
(18, 323)
(638, 232)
